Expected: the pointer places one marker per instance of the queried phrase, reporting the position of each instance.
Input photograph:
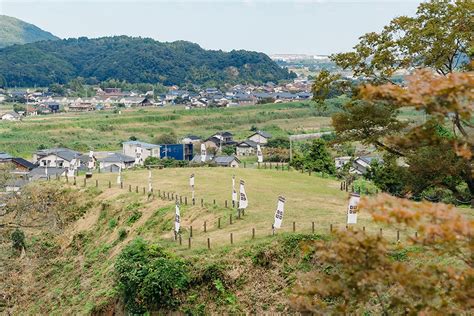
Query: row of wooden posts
(171, 196)
(179, 238)
(345, 187)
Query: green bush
(18, 239)
(122, 234)
(112, 223)
(148, 278)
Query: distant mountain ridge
(14, 31)
(135, 60)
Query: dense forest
(133, 60)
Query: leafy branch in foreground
(357, 272)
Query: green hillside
(15, 31)
(135, 60)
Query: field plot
(105, 130)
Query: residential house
(340, 162)
(197, 159)
(81, 107)
(115, 161)
(227, 161)
(42, 173)
(260, 137)
(246, 148)
(361, 165)
(140, 150)
(191, 139)
(11, 116)
(226, 138)
(57, 157)
(213, 143)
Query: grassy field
(308, 199)
(106, 130)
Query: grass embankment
(71, 270)
(105, 130)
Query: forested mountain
(133, 60)
(15, 31)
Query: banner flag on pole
(203, 153)
(191, 183)
(352, 208)
(138, 156)
(150, 187)
(243, 201)
(91, 160)
(234, 191)
(119, 177)
(177, 219)
(259, 154)
(279, 212)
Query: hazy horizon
(281, 27)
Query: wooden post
(136, 189)
(180, 199)
(219, 222)
(129, 188)
(230, 219)
(253, 233)
(214, 201)
(225, 203)
(416, 235)
(381, 232)
(144, 190)
(110, 184)
(294, 226)
(245, 165)
(185, 200)
(231, 238)
(168, 195)
(238, 213)
(309, 172)
(398, 235)
(96, 183)
(363, 229)
(312, 227)
(194, 201)
(190, 231)
(330, 228)
(205, 230)
(180, 240)
(85, 181)
(189, 243)
(208, 243)
(347, 227)
(73, 183)
(121, 184)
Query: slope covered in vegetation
(15, 31)
(133, 60)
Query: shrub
(122, 234)
(112, 223)
(18, 239)
(148, 278)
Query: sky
(273, 27)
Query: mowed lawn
(308, 199)
(106, 130)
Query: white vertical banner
(352, 208)
(243, 201)
(279, 212)
(150, 187)
(119, 177)
(191, 184)
(177, 218)
(234, 191)
(91, 160)
(203, 153)
(259, 154)
(138, 156)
